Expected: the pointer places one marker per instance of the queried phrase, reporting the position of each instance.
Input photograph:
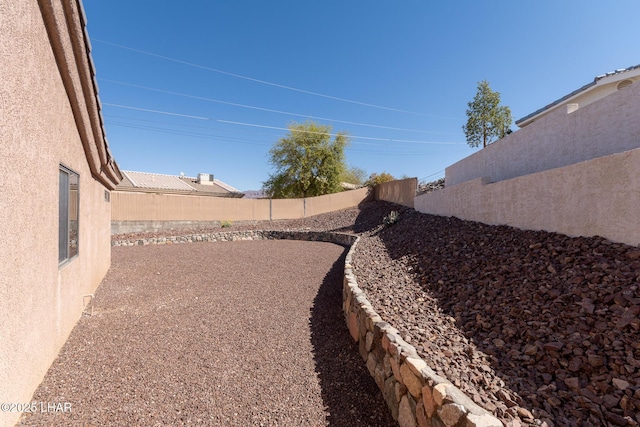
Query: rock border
(415, 394)
(342, 239)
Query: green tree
(354, 175)
(487, 119)
(307, 162)
(375, 179)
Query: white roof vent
(624, 83)
(572, 107)
(205, 179)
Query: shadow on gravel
(350, 395)
(555, 314)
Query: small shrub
(375, 179)
(391, 219)
(226, 223)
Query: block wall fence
(401, 192)
(139, 211)
(599, 197)
(573, 173)
(608, 126)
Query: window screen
(68, 215)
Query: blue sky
(209, 86)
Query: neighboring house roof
(155, 182)
(600, 87)
(217, 186)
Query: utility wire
(147, 110)
(433, 174)
(234, 104)
(227, 139)
(291, 88)
(391, 140)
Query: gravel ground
(228, 334)
(536, 327)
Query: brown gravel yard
(226, 334)
(538, 328)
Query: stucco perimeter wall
(596, 197)
(401, 192)
(608, 126)
(335, 202)
(137, 211)
(39, 302)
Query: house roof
(217, 187)
(65, 23)
(606, 78)
(155, 182)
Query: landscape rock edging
(415, 394)
(232, 236)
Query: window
(68, 215)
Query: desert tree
(487, 120)
(354, 175)
(307, 162)
(375, 179)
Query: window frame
(68, 228)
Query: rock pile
(428, 187)
(536, 327)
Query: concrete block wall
(401, 192)
(138, 211)
(608, 126)
(597, 197)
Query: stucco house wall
(49, 117)
(607, 126)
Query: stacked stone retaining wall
(415, 394)
(229, 236)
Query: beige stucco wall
(139, 206)
(334, 202)
(608, 126)
(39, 302)
(401, 192)
(596, 197)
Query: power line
(178, 132)
(185, 133)
(391, 140)
(433, 174)
(291, 88)
(253, 107)
(225, 138)
(147, 110)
